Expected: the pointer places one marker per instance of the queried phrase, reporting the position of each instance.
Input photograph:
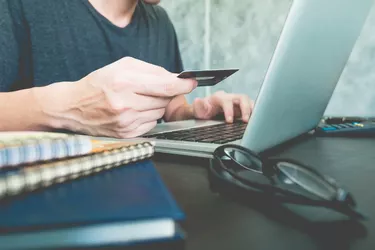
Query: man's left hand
(232, 105)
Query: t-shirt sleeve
(11, 32)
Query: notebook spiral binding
(30, 178)
(32, 149)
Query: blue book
(123, 206)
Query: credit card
(207, 77)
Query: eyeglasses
(285, 180)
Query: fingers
(245, 105)
(140, 130)
(160, 86)
(120, 101)
(127, 97)
(146, 117)
(144, 103)
(149, 79)
(227, 106)
(233, 105)
(125, 126)
(224, 101)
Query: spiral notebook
(21, 147)
(25, 147)
(104, 155)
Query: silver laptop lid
(314, 46)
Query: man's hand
(124, 99)
(232, 105)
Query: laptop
(314, 46)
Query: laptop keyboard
(218, 133)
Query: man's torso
(65, 40)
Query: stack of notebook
(71, 191)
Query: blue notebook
(122, 206)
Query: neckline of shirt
(128, 28)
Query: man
(100, 67)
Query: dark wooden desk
(217, 222)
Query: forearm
(178, 109)
(20, 111)
(26, 109)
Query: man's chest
(70, 44)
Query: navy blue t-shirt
(47, 41)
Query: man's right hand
(123, 99)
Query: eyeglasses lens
(290, 173)
(245, 159)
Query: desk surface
(216, 222)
